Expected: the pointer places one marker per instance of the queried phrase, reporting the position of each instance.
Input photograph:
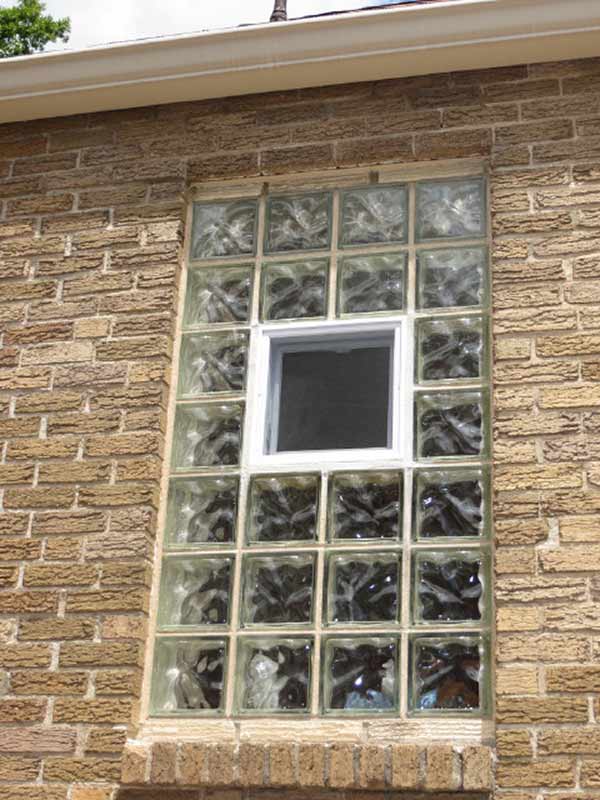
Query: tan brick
(124, 445)
(590, 773)
(93, 328)
(18, 769)
(123, 494)
(60, 575)
(74, 472)
(282, 764)
(517, 680)
(134, 764)
(105, 740)
(107, 600)
(221, 764)
(112, 654)
(554, 476)
(546, 372)
(515, 560)
(540, 710)
(442, 770)
(544, 647)
(573, 679)
(520, 531)
(41, 402)
(192, 765)
(45, 683)
(59, 353)
(251, 765)
(87, 423)
(512, 348)
(36, 740)
(53, 447)
(539, 589)
(477, 768)
(82, 769)
(550, 773)
(572, 558)
(22, 710)
(162, 766)
(341, 766)
(558, 741)
(311, 765)
(511, 743)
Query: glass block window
(327, 528)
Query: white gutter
(358, 46)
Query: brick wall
(91, 212)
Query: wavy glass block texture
(207, 436)
(371, 284)
(217, 294)
(360, 675)
(274, 675)
(283, 508)
(448, 587)
(377, 215)
(201, 511)
(295, 290)
(278, 590)
(212, 362)
(188, 676)
(451, 209)
(447, 674)
(298, 223)
(363, 588)
(453, 278)
(450, 505)
(195, 591)
(450, 349)
(220, 230)
(365, 505)
(450, 425)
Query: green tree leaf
(25, 29)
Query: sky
(104, 21)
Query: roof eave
(370, 45)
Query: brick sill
(291, 765)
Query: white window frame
(257, 459)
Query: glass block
(450, 504)
(278, 590)
(448, 587)
(274, 675)
(283, 508)
(450, 425)
(371, 284)
(219, 294)
(452, 278)
(363, 588)
(360, 674)
(451, 209)
(365, 506)
(450, 349)
(195, 591)
(201, 511)
(294, 290)
(207, 436)
(220, 230)
(298, 223)
(188, 676)
(212, 362)
(447, 675)
(374, 215)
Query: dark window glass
(332, 396)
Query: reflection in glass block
(446, 674)
(188, 676)
(448, 587)
(217, 295)
(274, 675)
(365, 505)
(368, 284)
(450, 349)
(448, 209)
(449, 504)
(201, 511)
(223, 229)
(195, 591)
(450, 425)
(212, 362)
(295, 290)
(373, 215)
(298, 223)
(207, 436)
(278, 590)
(451, 278)
(360, 675)
(363, 588)
(283, 508)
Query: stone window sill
(293, 765)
